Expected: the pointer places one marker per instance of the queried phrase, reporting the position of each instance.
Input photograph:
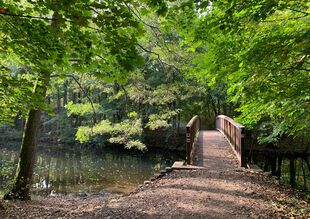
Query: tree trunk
(225, 111)
(24, 171)
(266, 165)
(58, 113)
(179, 121)
(213, 106)
(218, 107)
(65, 95)
(292, 172)
(273, 165)
(58, 100)
(22, 181)
(307, 162)
(279, 169)
(304, 174)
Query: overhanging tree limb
(84, 92)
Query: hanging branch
(126, 97)
(305, 14)
(139, 17)
(148, 51)
(152, 52)
(84, 92)
(163, 63)
(6, 13)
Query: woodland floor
(219, 191)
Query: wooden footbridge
(207, 148)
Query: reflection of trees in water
(43, 174)
(65, 169)
(67, 172)
(79, 166)
(8, 161)
(47, 172)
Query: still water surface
(78, 170)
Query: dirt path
(222, 190)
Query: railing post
(242, 148)
(192, 128)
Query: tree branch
(139, 17)
(303, 12)
(294, 68)
(25, 16)
(84, 92)
(148, 51)
(2, 12)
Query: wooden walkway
(214, 152)
(214, 149)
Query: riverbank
(180, 194)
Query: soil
(221, 190)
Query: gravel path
(222, 190)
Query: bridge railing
(234, 133)
(192, 131)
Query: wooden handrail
(192, 130)
(234, 132)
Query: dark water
(78, 170)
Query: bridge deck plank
(214, 152)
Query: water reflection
(74, 169)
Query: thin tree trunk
(58, 100)
(304, 174)
(58, 113)
(279, 169)
(273, 165)
(266, 165)
(16, 121)
(292, 172)
(213, 107)
(225, 108)
(307, 162)
(179, 121)
(65, 95)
